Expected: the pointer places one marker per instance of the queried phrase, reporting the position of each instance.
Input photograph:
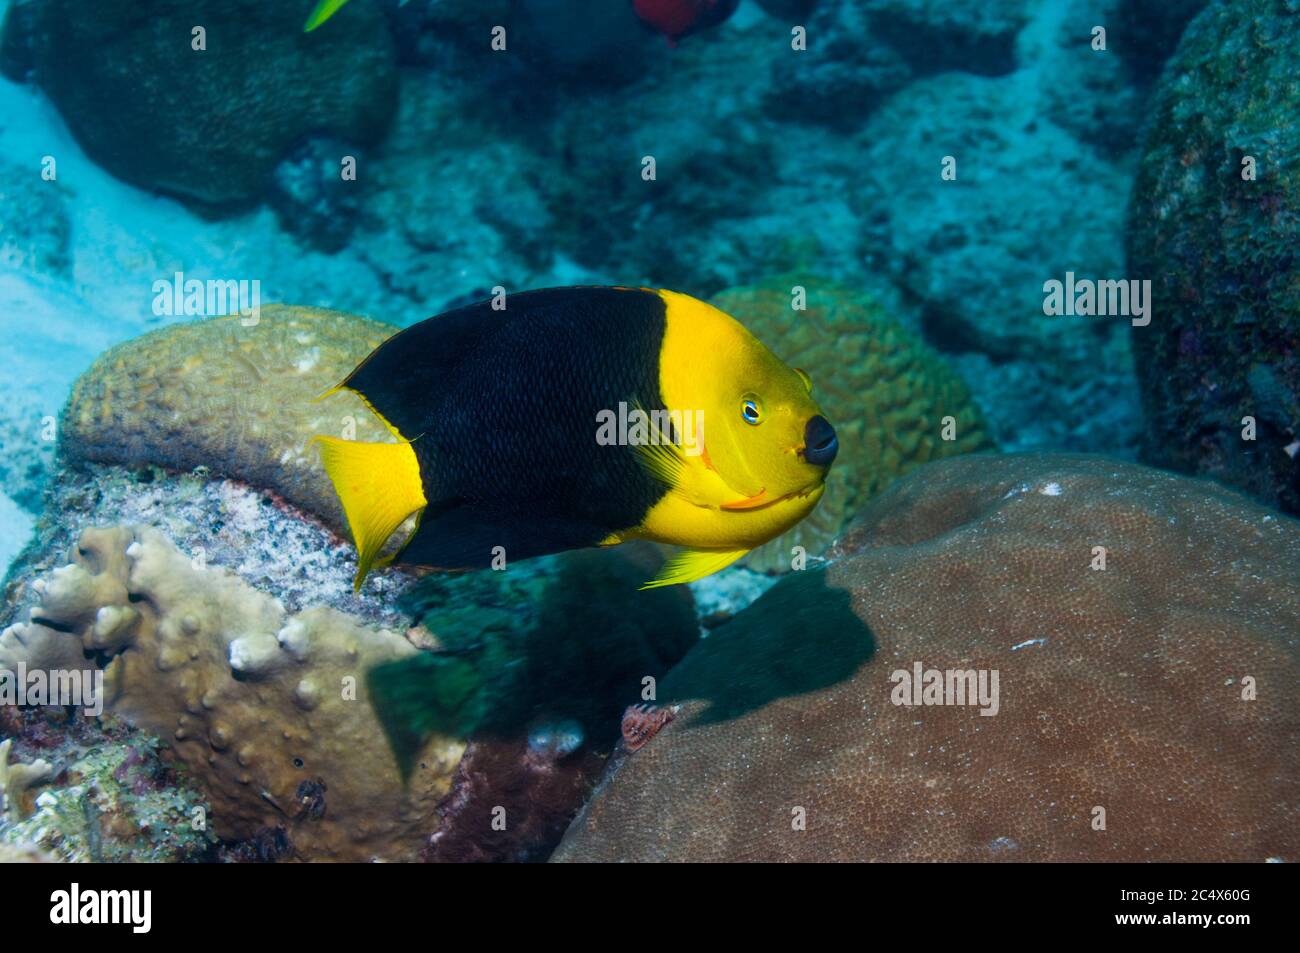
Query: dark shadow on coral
(800, 636)
(566, 662)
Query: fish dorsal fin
(379, 485)
(688, 565)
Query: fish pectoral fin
(379, 486)
(661, 457)
(692, 564)
(663, 463)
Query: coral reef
(511, 800)
(939, 35)
(265, 709)
(838, 80)
(886, 392)
(235, 399)
(204, 118)
(1139, 684)
(16, 780)
(1218, 245)
(969, 250)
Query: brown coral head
(642, 722)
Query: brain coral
(883, 389)
(1146, 710)
(266, 710)
(206, 124)
(1219, 249)
(237, 400)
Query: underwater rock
(237, 400)
(1214, 223)
(310, 196)
(970, 252)
(938, 35)
(34, 224)
(1088, 92)
(266, 710)
(1147, 689)
(788, 9)
(689, 222)
(591, 40)
(207, 125)
(1146, 34)
(842, 75)
(533, 794)
(884, 390)
(436, 184)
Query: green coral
(1219, 249)
(885, 391)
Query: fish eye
(751, 409)
(803, 376)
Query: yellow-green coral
(238, 400)
(885, 391)
(266, 710)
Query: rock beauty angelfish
(526, 428)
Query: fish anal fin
(688, 565)
(379, 486)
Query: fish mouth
(760, 500)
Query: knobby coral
(265, 710)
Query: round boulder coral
(1213, 224)
(233, 396)
(1116, 651)
(885, 391)
(201, 98)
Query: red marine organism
(642, 722)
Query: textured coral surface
(1219, 249)
(206, 124)
(882, 388)
(267, 711)
(1124, 688)
(238, 400)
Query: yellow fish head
(764, 434)
(760, 430)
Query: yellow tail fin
(379, 485)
